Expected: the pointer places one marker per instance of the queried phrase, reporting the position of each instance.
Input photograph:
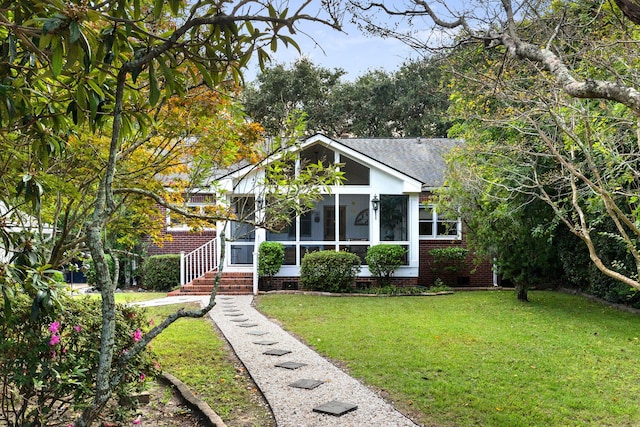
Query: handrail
(199, 261)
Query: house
(384, 199)
(14, 221)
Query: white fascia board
(411, 185)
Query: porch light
(375, 204)
(259, 203)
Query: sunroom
(375, 204)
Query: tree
(109, 66)
(562, 75)
(281, 93)
(409, 102)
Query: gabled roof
(419, 158)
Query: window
(393, 217)
(354, 172)
(434, 226)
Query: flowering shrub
(48, 365)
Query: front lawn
(191, 350)
(482, 358)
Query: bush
(448, 261)
(270, 258)
(50, 363)
(329, 271)
(161, 272)
(384, 260)
(92, 274)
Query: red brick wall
(181, 240)
(471, 275)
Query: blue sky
(351, 50)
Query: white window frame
(435, 221)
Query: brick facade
(181, 240)
(471, 274)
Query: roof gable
(414, 159)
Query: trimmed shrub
(384, 260)
(447, 262)
(162, 272)
(329, 271)
(270, 259)
(49, 363)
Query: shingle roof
(421, 159)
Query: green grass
(481, 359)
(191, 350)
(129, 297)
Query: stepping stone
(277, 352)
(248, 325)
(231, 310)
(258, 333)
(244, 319)
(306, 384)
(290, 365)
(265, 342)
(335, 408)
(234, 314)
(226, 298)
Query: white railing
(199, 261)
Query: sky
(354, 52)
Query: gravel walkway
(251, 335)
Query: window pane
(357, 216)
(289, 255)
(317, 153)
(286, 233)
(426, 228)
(447, 228)
(354, 172)
(393, 217)
(241, 254)
(360, 250)
(244, 208)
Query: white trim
(434, 222)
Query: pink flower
(77, 328)
(55, 339)
(137, 335)
(151, 322)
(142, 377)
(54, 327)
(137, 420)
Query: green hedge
(162, 272)
(383, 260)
(270, 258)
(329, 271)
